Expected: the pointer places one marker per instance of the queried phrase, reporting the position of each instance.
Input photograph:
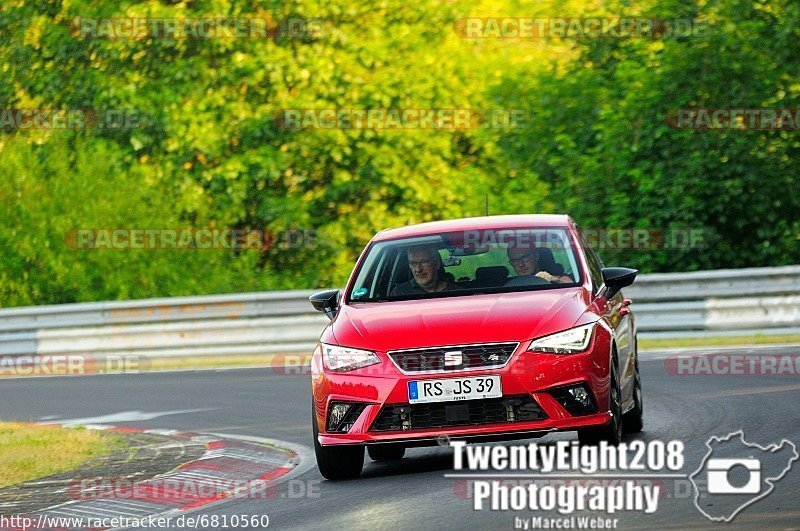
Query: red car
(491, 328)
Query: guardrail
(720, 302)
(247, 323)
(739, 301)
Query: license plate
(450, 389)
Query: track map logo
(738, 473)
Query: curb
(231, 468)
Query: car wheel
(611, 432)
(337, 462)
(386, 452)
(633, 421)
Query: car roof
(478, 223)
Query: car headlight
(567, 342)
(343, 359)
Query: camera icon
(719, 483)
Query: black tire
(633, 420)
(611, 432)
(337, 462)
(386, 452)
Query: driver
(426, 270)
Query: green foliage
(602, 145)
(210, 151)
(51, 190)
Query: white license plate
(450, 389)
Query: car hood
(486, 318)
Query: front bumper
(526, 374)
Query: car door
(618, 316)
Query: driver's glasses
(419, 263)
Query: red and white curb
(249, 465)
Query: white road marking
(123, 416)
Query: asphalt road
(413, 493)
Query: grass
(756, 339)
(28, 452)
(208, 362)
(294, 364)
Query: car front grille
(456, 358)
(401, 417)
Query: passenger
(525, 264)
(427, 271)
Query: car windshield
(466, 263)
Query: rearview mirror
(326, 302)
(616, 278)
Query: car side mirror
(616, 278)
(326, 302)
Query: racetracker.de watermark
(70, 364)
(576, 28)
(191, 238)
(64, 119)
(139, 28)
(731, 364)
(170, 489)
(718, 119)
(605, 238)
(401, 118)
